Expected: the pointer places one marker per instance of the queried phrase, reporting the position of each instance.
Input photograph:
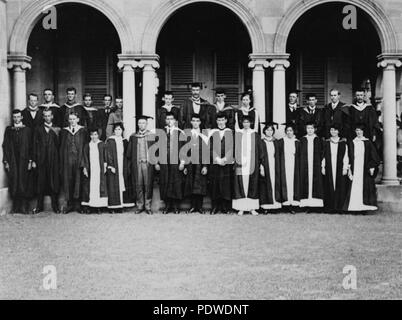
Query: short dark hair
(17, 111)
(268, 126)
(118, 125)
(33, 95)
(108, 96)
(221, 115)
(92, 130)
(311, 95)
(73, 113)
(87, 95)
(290, 125)
(48, 89)
(196, 116)
(47, 110)
(168, 114)
(71, 89)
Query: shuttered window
(180, 74)
(227, 76)
(313, 78)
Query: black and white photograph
(200, 150)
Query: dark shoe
(37, 211)
(149, 212)
(176, 211)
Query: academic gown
(289, 161)
(270, 182)
(194, 182)
(187, 111)
(161, 116)
(340, 116)
(71, 153)
(132, 157)
(368, 117)
(56, 110)
(65, 111)
(94, 162)
(221, 177)
(92, 116)
(102, 118)
(46, 156)
(17, 152)
(311, 188)
(305, 117)
(335, 183)
(30, 122)
(252, 112)
(293, 116)
(170, 177)
(362, 195)
(247, 170)
(227, 110)
(119, 190)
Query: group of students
(197, 149)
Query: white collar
(77, 128)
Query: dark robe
(368, 117)
(187, 111)
(265, 182)
(17, 152)
(30, 122)
(102, 118)
(113, 187)
(340, 116)
(318, 188)
(79, 109)
(296, 179)
(371, 160)
(92, 117)
(334, 199)
(161, 116)
(305, 117)
(171, 178)
(56, 111)
(227, 110)
(46, 156)
(132, 157)
(293, 116)
(256, 158)
(194, 182)
(85, 163)
(71, 153)
(221, 177)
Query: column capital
(127, 60)
(20, 61)
(389, 60)
(147, 63)
(280, 63)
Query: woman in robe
(270, 175)
(335, 166)
(289, 151)
(117, 171)
(364, 162)
(247, 110)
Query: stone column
(258, 63)
(279, 65)
(18, 65)
(149, 87)
(388, 63)
(127, 64)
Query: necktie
(73, 130)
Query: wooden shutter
(313, 78)
(227, 75)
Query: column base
(390, 182)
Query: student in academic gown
(289, 161)
(292, 109)
(247, 169)
(118, 187)
(46, 162)
(168, 107)
(311, 114)
(270, 175)
(311, 188)
(32, 115)
(72, 141)
(49, 104)
(72, 106)
(171, 166)
(219, 107)
(94, 167)
(91, 110)
(364, 113)
(335, 167)
(141, 165)
(364, 162)
(195, 105)
(102, 116)
(196, 169)
(221, 169)
(17, 161)
(336, 112)
(247, 110)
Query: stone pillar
(258, 63)
(18, 65)
(149, 87)
(388, 63)
(127, 64)
(279, 65)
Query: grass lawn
(201, 257)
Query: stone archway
(32, 13)
(386, 32)
(164, 12)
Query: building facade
(140, 48)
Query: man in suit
(103, 115)
(195, 105)
(292, 109)
(336, 112)
(49, 104)
(310, 114)
(32, 115)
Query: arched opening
(325, 55)
(208, 43)
(81, 52)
